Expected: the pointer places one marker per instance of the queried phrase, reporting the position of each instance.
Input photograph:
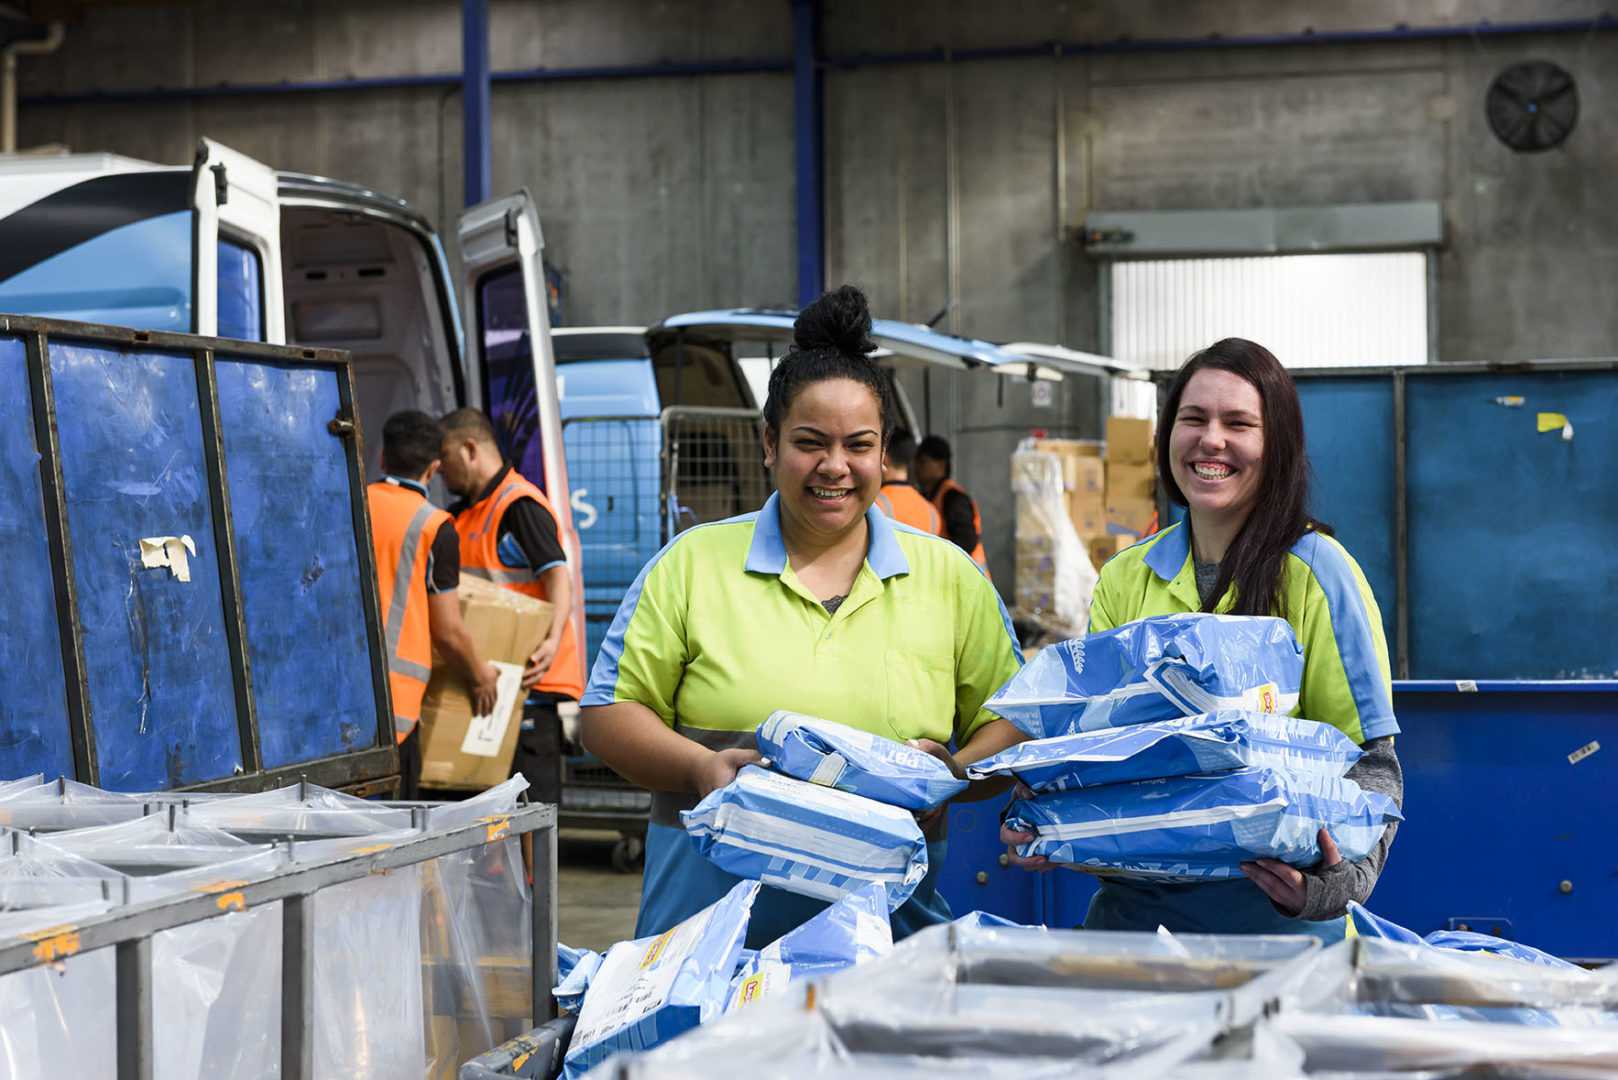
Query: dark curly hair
(830, 340)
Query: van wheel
(628, 854)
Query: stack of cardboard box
(1131, 477)
(1112, 499)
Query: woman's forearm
(986, 741)
(635, 742)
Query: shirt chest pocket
(921, 693)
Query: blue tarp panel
(1350, 429)
(33, 710)
(161, 696)
(297, 561)
(1512, 557)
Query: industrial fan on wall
(1532, 106)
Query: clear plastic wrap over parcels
(1055, 578)
(1155, 669)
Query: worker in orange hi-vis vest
(899, 498)
(509, 536)
(418, 569)
(962, 522)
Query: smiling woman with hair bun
(816, 603)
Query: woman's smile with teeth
(828, 493)
(1211, 470)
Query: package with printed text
(1212, 742)
(855, 761)
(649, 990)
(850, 932)
(1155, 669)
(807, 839)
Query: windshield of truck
(136, 275)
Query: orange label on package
(655, 950)
(498, 827)
(752, 989)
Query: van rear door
(236, 274)
(511, 363)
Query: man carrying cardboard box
(418, 569)
(509, 536)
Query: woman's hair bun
(839, 321)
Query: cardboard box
(1088, 513)
(1131, 482)
(459, 750)
(1087, 476)
(1129, 440)
(1130, 515)
(1074, 447)
(1103, 548)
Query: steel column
(133, 979)
(476, 136)
(542, 912)
(808, 130)
(297, 988)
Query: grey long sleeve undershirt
(1327, 891)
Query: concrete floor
(597, 904)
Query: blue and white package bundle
(1370, 925)
(850, 932)
(649, 990)
(858, 762)
(1155, 669)
(1200, 828)
(1212, 742)
(576, 967)
(807, 839)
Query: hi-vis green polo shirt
(717, 633)
(1346, 677)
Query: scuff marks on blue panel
(1512, 560)
(161, 695)
(33, 705)
(297, 560)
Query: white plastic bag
(1055, 580)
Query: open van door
(510, 361)
(236, 284)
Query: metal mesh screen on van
(713, 465)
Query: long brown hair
(1280, 514)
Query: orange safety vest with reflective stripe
(479, 526)
(403, 525)
(945, 488)
(906, 505)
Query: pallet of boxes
(1054, 579)
(1129, 509)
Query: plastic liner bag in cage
(66, 804)
(368, 1010)
(858, 762)
(576, 967)
(998, 1003)
(650, 990)
(1155, 669)
(807, 839)
(850, 932)
(1198, 828)
(1055, 578)
(476, 929)
(299, 810)
(56, 1019)
(169, 840)
(1370, 925)
(1212, 742)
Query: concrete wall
(946, 184)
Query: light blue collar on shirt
(1167, 556)
(400, 481)
(768, 553)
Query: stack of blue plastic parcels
(831, 818)
(1163, 749)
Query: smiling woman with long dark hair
(1231, 451)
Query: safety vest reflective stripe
(403, 526)
(403, 576)
(909, 506)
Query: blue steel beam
(808, 134)
(477, 137)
